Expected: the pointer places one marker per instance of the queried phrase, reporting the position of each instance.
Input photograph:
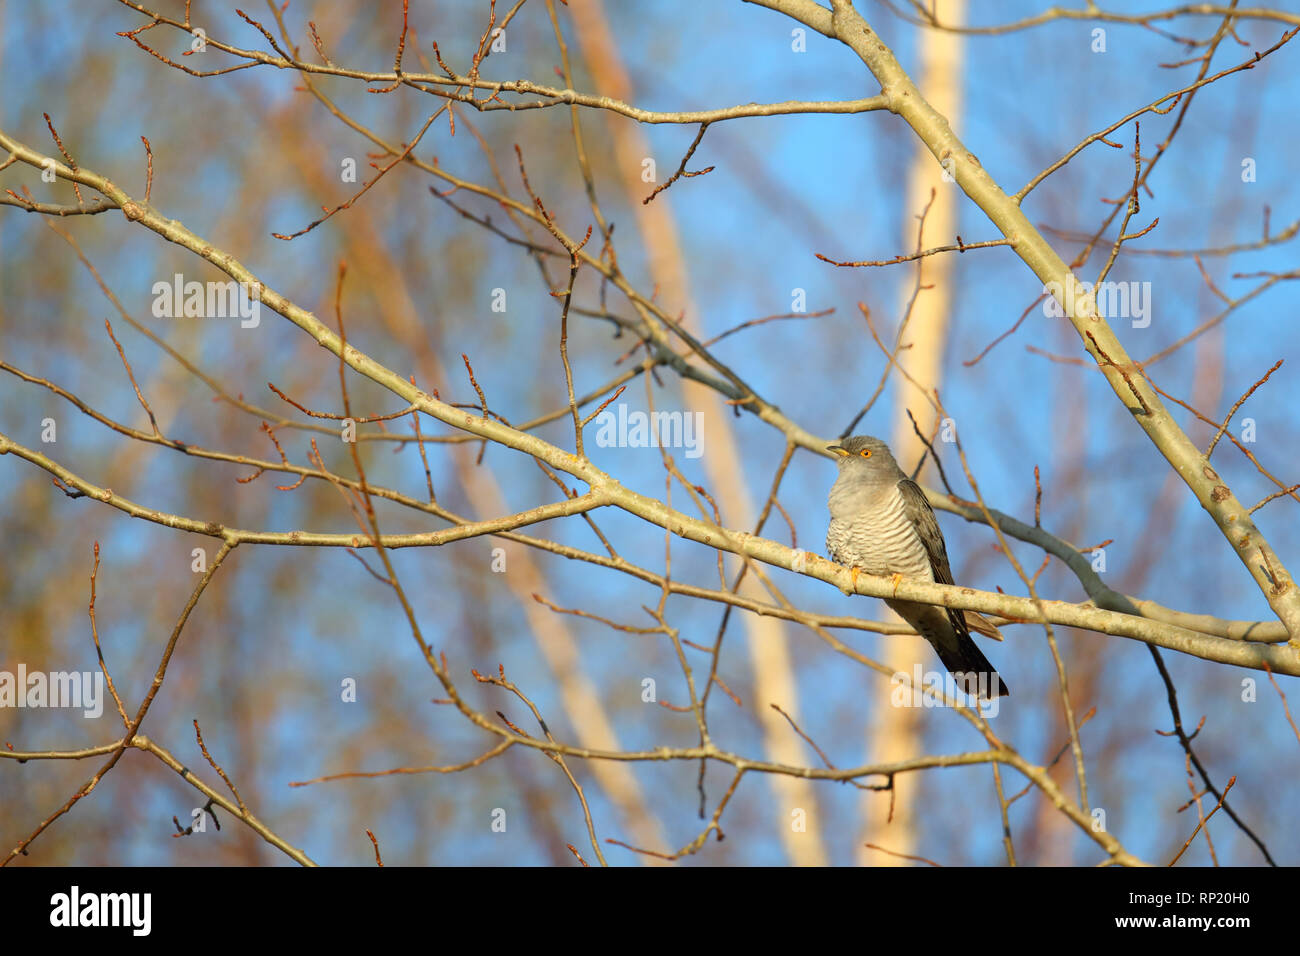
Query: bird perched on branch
(882, 524)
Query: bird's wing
(921, 515)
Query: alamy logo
(637, 429)
(75, 908)
(55, 689)
(928, 689)
(208, 300)
(1110, 300)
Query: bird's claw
(854, 572)
(897, 577)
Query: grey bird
(882, 524)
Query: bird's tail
(977, 675)
(981, 625)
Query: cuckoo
(882, 524)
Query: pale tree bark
(896, 731)
(769, 649)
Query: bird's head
(865, 456)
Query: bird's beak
(838, 449)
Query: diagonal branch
(1230, 514)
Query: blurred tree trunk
(766, 639)
(896, 730)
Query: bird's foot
(854, 572)
(897, 577)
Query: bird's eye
(865, 453)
